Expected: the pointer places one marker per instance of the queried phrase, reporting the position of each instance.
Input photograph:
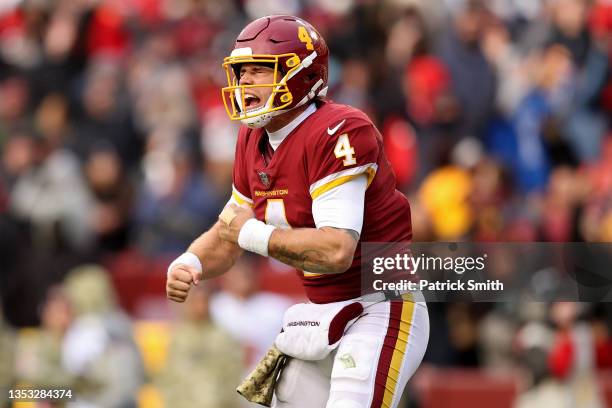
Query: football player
(311, 181)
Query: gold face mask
(234, 95)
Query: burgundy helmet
(295, 50)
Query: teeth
(249, 97)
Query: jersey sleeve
(337, 159)
(342, 206)
(241, 192)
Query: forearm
(215, 254)
(315, 250)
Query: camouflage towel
(258, 387)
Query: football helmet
(297, 53)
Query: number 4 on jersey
(276, 214)
(344, 149)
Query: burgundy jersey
(332, 146)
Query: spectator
(462, 53)
(445, 197)
(233, 307)
(53, 198)
(176, 200)
(105, 116)
(39, 351)
(204, 364)
(113, 199)
(99, 348)
(522, 147)
(586, 123)
(13, 106)
(533, 345)
(572, 356)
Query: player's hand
(236, 216)
(179, 281)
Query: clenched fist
(236, 216)
(179, 281)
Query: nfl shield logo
(264, 178)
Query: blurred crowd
(115, 147)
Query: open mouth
(251, 101)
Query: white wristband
(254, 236)
(189, 259)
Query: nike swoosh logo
(335, 128)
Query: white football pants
(371, 366)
